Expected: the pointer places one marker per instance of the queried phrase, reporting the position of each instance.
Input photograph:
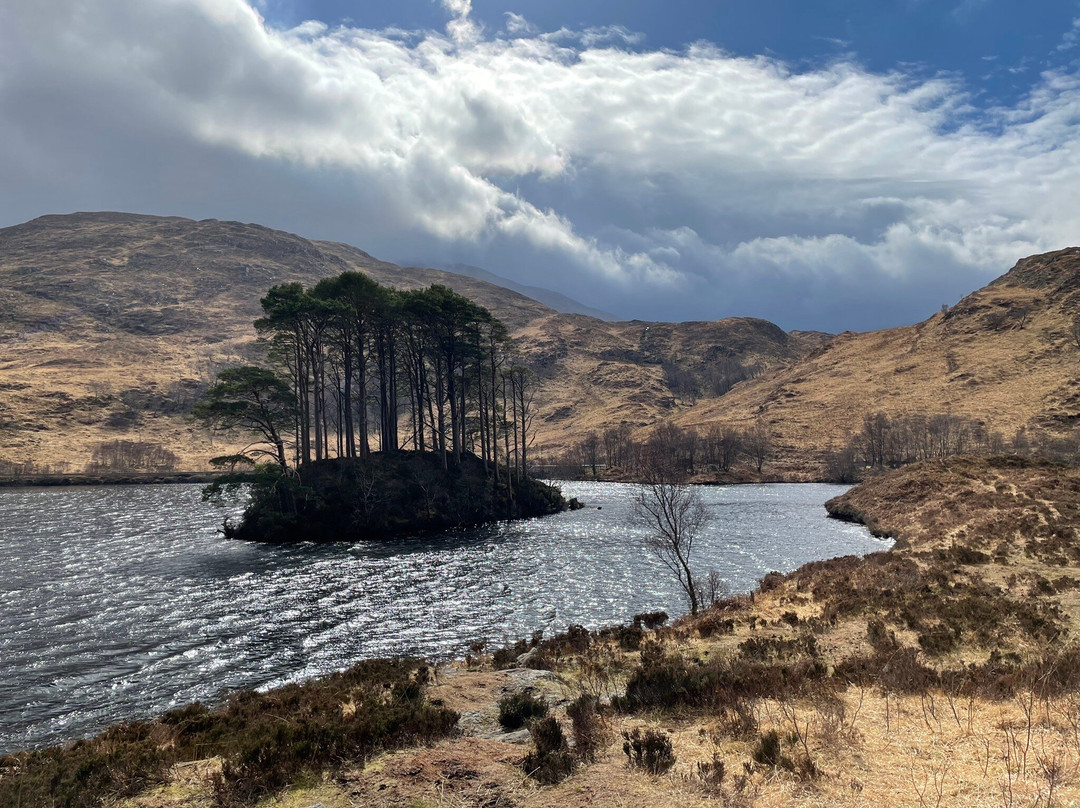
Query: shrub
(590, 729)
(775, 667)
(517, 709)
(508, 657)
(771, 581)
(651, 620)
(630, 638)
(710, 774)
(938, 640)
(650, 751)
(898, 671)
(715, 623)
(550, 761)
(879, 636)
(769, 752)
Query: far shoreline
(117, 478)
(204, 477)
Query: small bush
(628, 638)
(713, 624)
(879, 636)
(517, 709)
(899, 671)
(769, 752)
(650, 751)
(651, 620)
(771, 581)
(938, 640)
(550, 761)
(710, 775)
(590, 728)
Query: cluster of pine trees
(361, 365)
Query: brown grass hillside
(1003, 356)
(112, 324)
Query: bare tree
(757, 443)
(673, 512)
(590, 451)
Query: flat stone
(517, 736)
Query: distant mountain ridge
(111, 325)
(560, 302)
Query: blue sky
(830, 165)
(999, 47)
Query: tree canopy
(354, 364)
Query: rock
(517, 736)
(478, 723)
(524, 680)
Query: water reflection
(120, 602)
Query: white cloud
(659, 183)
(1071, 38)
(461, 29)
(517, 25)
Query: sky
(824, 164)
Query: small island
(386, 494)
(426, 375)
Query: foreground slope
(1004, 355)
(113, 324)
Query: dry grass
(887, 750)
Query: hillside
(112, 324)
(1003, 356)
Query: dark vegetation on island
(385, 494)
(427, 375)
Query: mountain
(112, 325)
(1005, 356)
(561, 303)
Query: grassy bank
(259, 743)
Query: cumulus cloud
(656, 184)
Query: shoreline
(179, 477)
(118, 478)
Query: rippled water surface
(122, 602)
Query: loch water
(120, 602)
